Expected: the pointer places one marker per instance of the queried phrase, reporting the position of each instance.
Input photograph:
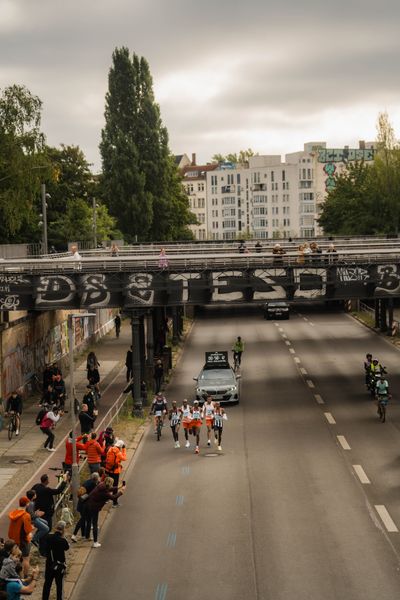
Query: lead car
(218, 379)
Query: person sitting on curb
(17, 586)
(40, 524)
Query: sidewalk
(24, 455)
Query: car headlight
(198, 390)
(233, 388)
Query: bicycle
(159, 426)
(12, 424)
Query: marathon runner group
(191, 418)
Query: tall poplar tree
(140, 179)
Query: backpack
(40, 416)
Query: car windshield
(216, 376)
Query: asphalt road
(288, 510)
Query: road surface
(302, 503)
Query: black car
(276, 310)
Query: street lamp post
(75, 470)
(45, 197)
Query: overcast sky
(228, 75)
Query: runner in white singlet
(208, 415)
(175, 421)
(186, 412)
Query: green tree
(76, 224)
(241, 158)
(23, 164)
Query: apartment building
(266, 198)
(195, 184)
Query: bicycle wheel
(158, 430)
(11, 429)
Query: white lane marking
(291, 350)
(310, 383)
(305, 318)
(296, 360)
(288, 343)
(300, 315)
(319, 399)
(330, 418)
(284, 336)
(343, 442)
(386, 518)
(361, 474)
(312, 324)
(303, 371)
(280, 330)
(276, 324)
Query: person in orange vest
(20, 530)
(94, 451)
(80, 445)
(115, 455)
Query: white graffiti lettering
(95, 292)
(9, 302)
(389, 280)
(221, 281)
(185, 278)
(55, 289)
(346, 274)
(139, 288)
(13, 279)
(267, 277)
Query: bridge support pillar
(175, 325)
(136, 363)
(390, 329)
(383, 320)
(160, 329)
(142, 348)
(150, 338)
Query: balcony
(259, 187)
(228, 189)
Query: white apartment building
(266, 198)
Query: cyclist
(238, 348)
(14, 407)
(367, 368)
(219, 418)
(196, 423)
(158, 409)
(208, 415)
(382, 395)
(175, 421)
(186, 412)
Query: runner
(219, 418)
(175, 421)
(208, 415)
(196, 424)
(186, 412)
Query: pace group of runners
(191, 418)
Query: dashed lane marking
(185, 470)
(280, 330)
(171, 539)
(180, 500)
(329, 417)
(284, 336)
(288, 343)
(386, 518)
(361, 474)
(319, 399)
(291, 351)
(305, 318)
(310, 383)
(161, 591)
(343, 442)
(296, 359)
(303, 371)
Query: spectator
(75, 253)
(93, 376)
(332, 253)
(106, 439)
(130, 388)
(40, 524)
(92, 362)
(277, 253)
(49, 396)
(158, 375)
(17, 586)
(94, 452)
(45, 497)
(86, 421)
(258, 247)
(97, 498)
(20, 530)
(300, 258)
(128, 364)
(59, 391)
(90, 400)
(6, 550)
(56, 547)
(10, 563)
(162, 259)
(115, 455)
(83, 523)
(316, 251)
(242, 247)
(117, 323)
(80, 444)
(47, 425)
(114, 249)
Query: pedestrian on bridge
(162, 259)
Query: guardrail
(107, 420)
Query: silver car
(218, 380)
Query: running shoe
(51, 449)
(187, 444)
(219, 447)
(208, 443)
(74, 538)
(197, 450)
(96, 545)
(215, 441)
(178, 445)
